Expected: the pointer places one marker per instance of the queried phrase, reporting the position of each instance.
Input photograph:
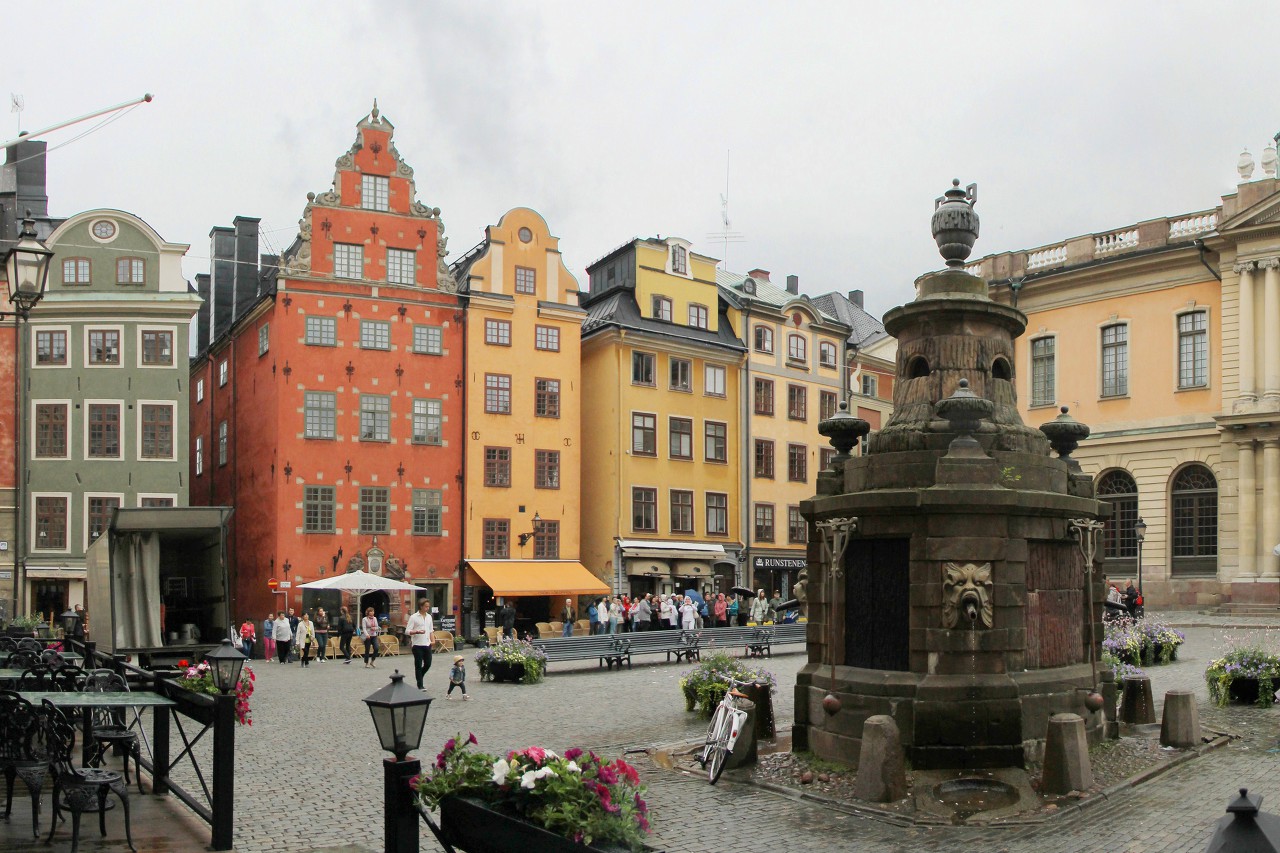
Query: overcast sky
(841, 122)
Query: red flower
(184, 664)
(471, 738)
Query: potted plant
(533, 799)
(199, 679)
(1245, 674)
(704, 685)
(1120, 669)
(513, 660)
(24, 626)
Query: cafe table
(9, 676)
(93, 700)
(69, 657)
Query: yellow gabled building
(794, 378)
(523, 457)
(661, 374)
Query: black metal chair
(8, 644)
(42, 677)
(22, 660)
(79, 789)
(31, 644)
(49, 657)
(108, 727)
(22, 752)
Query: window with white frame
(680, 260)
(642, 368)
(264, 338)
(428, 419)
(1193, 349)
(681, 374)
(1115, 360)
(1043, 371)
(131, 271)
(400, 266)
(75, 271)
(222, 443)
(797, 348)
(348, 260)
(827, 354)
(870, 385)
(222, 374)
(322, 332)
(428, 340)
(375, 192)
(713, 380)
(199, 455)
(698, 316)
(200, 390)
(375, 417)
(763, 339)
(547, 338)
(661, 308)
(375, 334)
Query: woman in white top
(305, 637)
(688, 614)
(369, 633)
(615, 614)
(667, 612)
(283, 635)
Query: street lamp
(26, 274)
(225, 663)
(70, 622)
(399, 715)
(525, 537)
(1140, 533)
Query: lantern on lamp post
(1140, 534)
(225, 664)
(399, 714)
(70, 622)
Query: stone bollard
(1180, 725)
(1110, 695)
(882, 772)
(1066, 756)
(1136, 708)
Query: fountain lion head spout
(966, 590)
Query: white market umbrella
(358, 583)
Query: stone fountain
(946, 582)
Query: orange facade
(343, 399)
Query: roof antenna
(726, 234)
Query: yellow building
(661, 492)
(524, 421)
(793, 379)
(1164, 337)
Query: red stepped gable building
(327, 405)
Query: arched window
(797, 348)
(1120, 541)
(764, 339)
(1195, 521)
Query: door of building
(49, 596)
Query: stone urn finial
(954, 223)
(964, 410)
(1245, 165)
(1065, 434)
(843, 431)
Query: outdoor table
(10, 675)
(89, 701)
(69, 657)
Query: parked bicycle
(726, 724)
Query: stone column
(1248, 385)
(1271, 329)
(1247, 514)
(1269, 563)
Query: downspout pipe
(1199, 244)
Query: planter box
(471, 826)
(503, 671)
(1243, 691)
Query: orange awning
(538, 577)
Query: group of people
(1130, 601)
(288, 637)
(655, 612)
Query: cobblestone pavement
(308, 771)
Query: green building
(106, 399)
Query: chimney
(222, 244)
(759, 275)
(855, 296)
(246, 266)
(793, 284)
(202, 316)
(22, 187)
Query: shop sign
(779, 562)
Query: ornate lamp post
(26, 275)
(70, 622)
(399, 715)
(1140, 533)
(225, 663)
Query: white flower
(572, 767)
(530, 777)
(500, 770)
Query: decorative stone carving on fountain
(943, 588)
(966, 595)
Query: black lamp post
(225, 663)
(399, 715)
(1140, 533)
(26, 274)
(1246, 828)
(70, 622)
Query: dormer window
(698, 316)
(662, 308)
(75, 271)
(763, 339)
(374, 192)
(130, 271)
(680, 260)
(827, 354)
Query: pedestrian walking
(322, 635)
(759, 608)
(369, 633)
(293, 628)
(283, 635)
(566, 616)
(247, 638)
(346, 630)
(419, 629)
(268, 637)
(304, 637)
(458, 678)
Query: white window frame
(222, 373)
(426, 338)
(101, 327)
(85, 427)
(834, 349)
(224, 441)
(672, 244)
(381, 192)
(1128, 348)
(425, 416)
(1208, 349)
(402, 266)
(699, 316)
(70, 429)
(199, 453)
(34, 333)
(348, 257)
(84, 513)
(1031, 369)
(330, 395)
(200, 390)
(378, 329)
(173, 443)
(380, 417)
(173, 496)
(264, 339)
(871, 380)
(708, 371)
(33, 496)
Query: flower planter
(1243, 691)
(504, 671)
(471, 826)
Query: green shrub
(705, 685)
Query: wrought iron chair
(77, 789)
(22, 660)
(43, 677)
(108, 725)
(8, 644)
(22, 752)
(49, 657)
(30, 644)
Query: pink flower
(537, 753)
(572, 753)
(450, 745)
(472, 738)
(628, 772)
(607, 776)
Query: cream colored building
(1164, 337)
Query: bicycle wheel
(712, 728)
(719, 747)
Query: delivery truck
(157, 587)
